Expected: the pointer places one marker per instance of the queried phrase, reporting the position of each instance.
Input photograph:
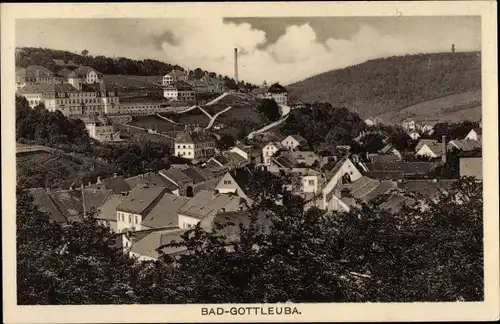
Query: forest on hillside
(389, 84)
(27, 56)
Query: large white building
(70, 100)
(194, 145)
(179, 90)
(269, 150)
(174, 76)
(101, 129)
(34, 74)
(84, 75)
(276, 92)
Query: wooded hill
(387, 85)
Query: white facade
(281, 98)
(347, 168)
(310, 183)
(290, 143)
(187, 221)
(426, 151)
(125, 220)
(185, 150)
(239, 151)
(268, 152)
(143, 108)
(102, 133)
(473, 135)
(414, 136)
(409, 124)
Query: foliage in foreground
(366, 255)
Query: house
(307, 158)
(194, 145)
(471, 166)
(45, 202)
(208, 84)
(464, 145)
(165, 213)
(292, 142)
(205, 205)
(101, 128)
(143, 245)
(226, 160)
(174, 76)
(409, 124)
(179, 90)
(390, 150)
(179, 179)
(414, 135)
(311, 181)
(106, 214)
(153, 179)
(282, 162)
(475, 134)
(231, 222)
(432, 148)
(276, 92)
(116, 184)
(34, 74)
(363, 190)
(383, 158)
(136, 206)
(345, 171)
(269, 150)
(235, 182)
(84, 75)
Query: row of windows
(227, 182)
(201, 145)
(121, 216)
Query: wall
(127, 220)
(425, 151)
(185, 221)
(472, 167)
(306, 187)
(267, 152)
(290, 143)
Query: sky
(276, 49)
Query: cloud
(297, 54)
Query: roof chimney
(235, 65)
(443, 144)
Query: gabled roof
(82, 71)
(107, 210)
(176, 73)
(164, 213)
(94, 197)
(70, 202)
(140, 198)
(47, 88)
(386, 158)
(284, 160)
(242, 178)
(304, 155)
(147, 244)
(423, 142)
(180, 85)
(367, 189)
(34, 71)
(46, 204)
(478, 130)
(232, 221)
(436, 148)
(277, 88)
(116, 184)
(198, 175)
(151, 179)
(193, 137)
(386, 149)
(206, 204)
(466, 145)
(178, 176)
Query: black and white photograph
(251, 164)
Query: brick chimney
(443, 143)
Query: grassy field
(154, 122)
(465, 105)
(193, 117)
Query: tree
(270, 109)
(225, 142)
(85, 52)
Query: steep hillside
(385, 86)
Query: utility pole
(453, 48)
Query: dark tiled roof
(277, 88)
(206, 204)
(108, 209)
(427, 188)
(47, 88)
(193, 137)
(178, 176)
(147, 243)
(478, 130)
(150, 179)
(232, 221)
(466, 145)
(300, 139)
(242, 178)
(94, 197)
(70, 202)
(407, 168)
(82, 71)
(34, 71)
(46, 204)
(387, 158)
(139, 199)
(116, 184)
(164, 214)
(284, 160)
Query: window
(129, 218)
(227, 181)
(136, 220)
(311, 182)
(183, 146)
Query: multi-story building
(34, 74)
(179, 90)
(276, 92)
(194, 145)
(84, 75)
(144, 107)
(269, 150)
(174, 76)
(208, 84)
(69, 100)
(100, 128)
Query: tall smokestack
(236, 65)
(443, 143)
